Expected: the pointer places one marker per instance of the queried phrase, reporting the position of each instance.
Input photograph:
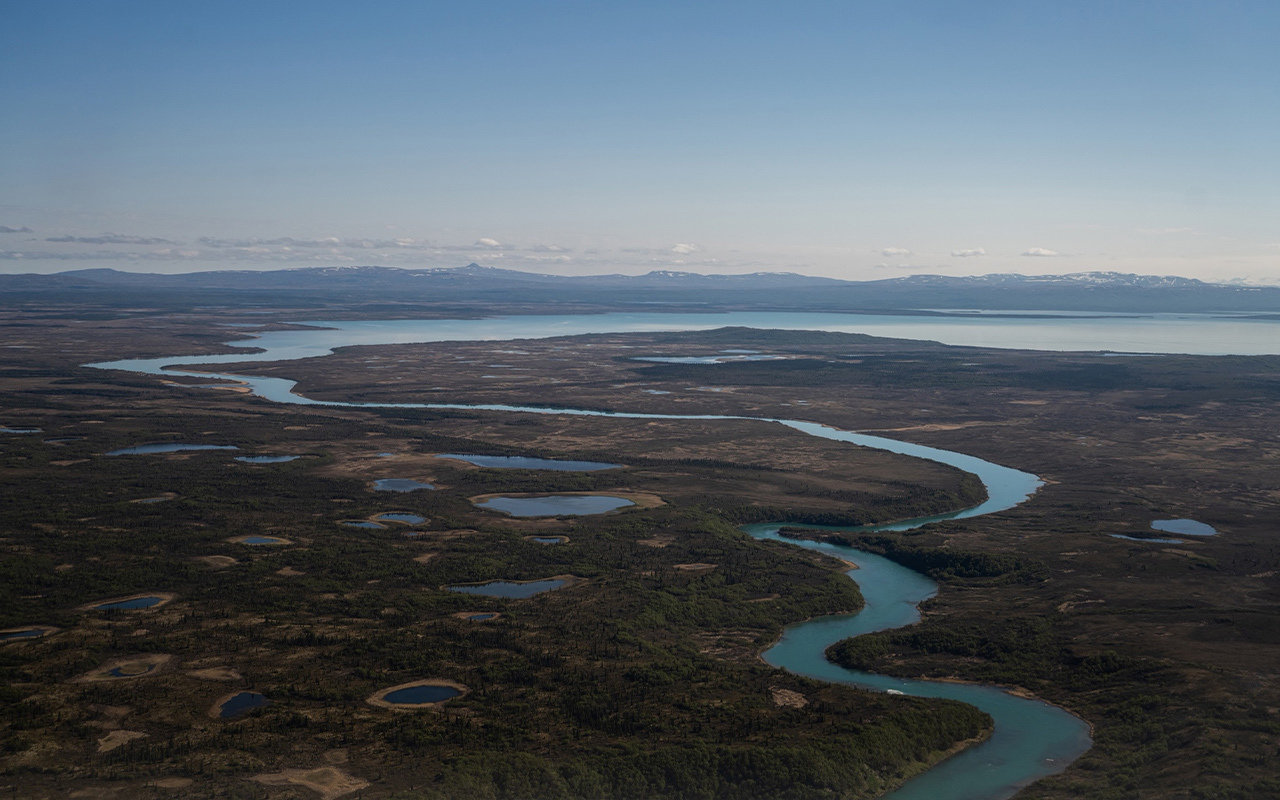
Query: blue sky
(850, 139)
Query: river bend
(1031, 739)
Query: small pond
(362, 523)
(240, 703)
(266, 459)
(426, 693)
(29, 633)
(555, 505)
(509, 589)
(548, 539)
(528, 462)
(399, 485)
(132, 604)
(1146, 539)
(20, 430)
(131, 670)
(64, 439)
(1186, 527)
(149, 500)
(262, 540)
(484, 617)
(148, 449)
(401, 516)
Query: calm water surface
(266, 459)
(149, 449)
(421, 694)
(577, 505)
(1186, 527)
(245, 701)
(528, 462)
(397, 516)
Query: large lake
(1202, 334)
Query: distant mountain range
(328, 286)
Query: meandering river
(1031, 739)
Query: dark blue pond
(415, 695)
(482, 617)
(1145, 539)
(131, 604)
(399, 485)
(30, 633)
(20, 430)
(147, 500)
(555, 505)
(397, 516)
(509, 589)
(262, 540)
(547, 539)
(245, 701)
(266, 459)
(528, 462)
(147, 449)
(351, 523)
(64, 439)
(1186, 527)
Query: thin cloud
(895, 252)
(1040, 252)
(7, 229)
(284, 241)
(969, 253)
(549, 248)
(490, 244)
(111, 238)
(685, 249)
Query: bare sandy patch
(376, 699)
(116, 739)
(68, 462)
(787, 698)
(329, 782)
(173, 783)
(425, 557)
(289, 572)
(660, 540)
(215, 674)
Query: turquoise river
(1031, 739)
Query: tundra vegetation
(639, 678)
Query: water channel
(1031, 738)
